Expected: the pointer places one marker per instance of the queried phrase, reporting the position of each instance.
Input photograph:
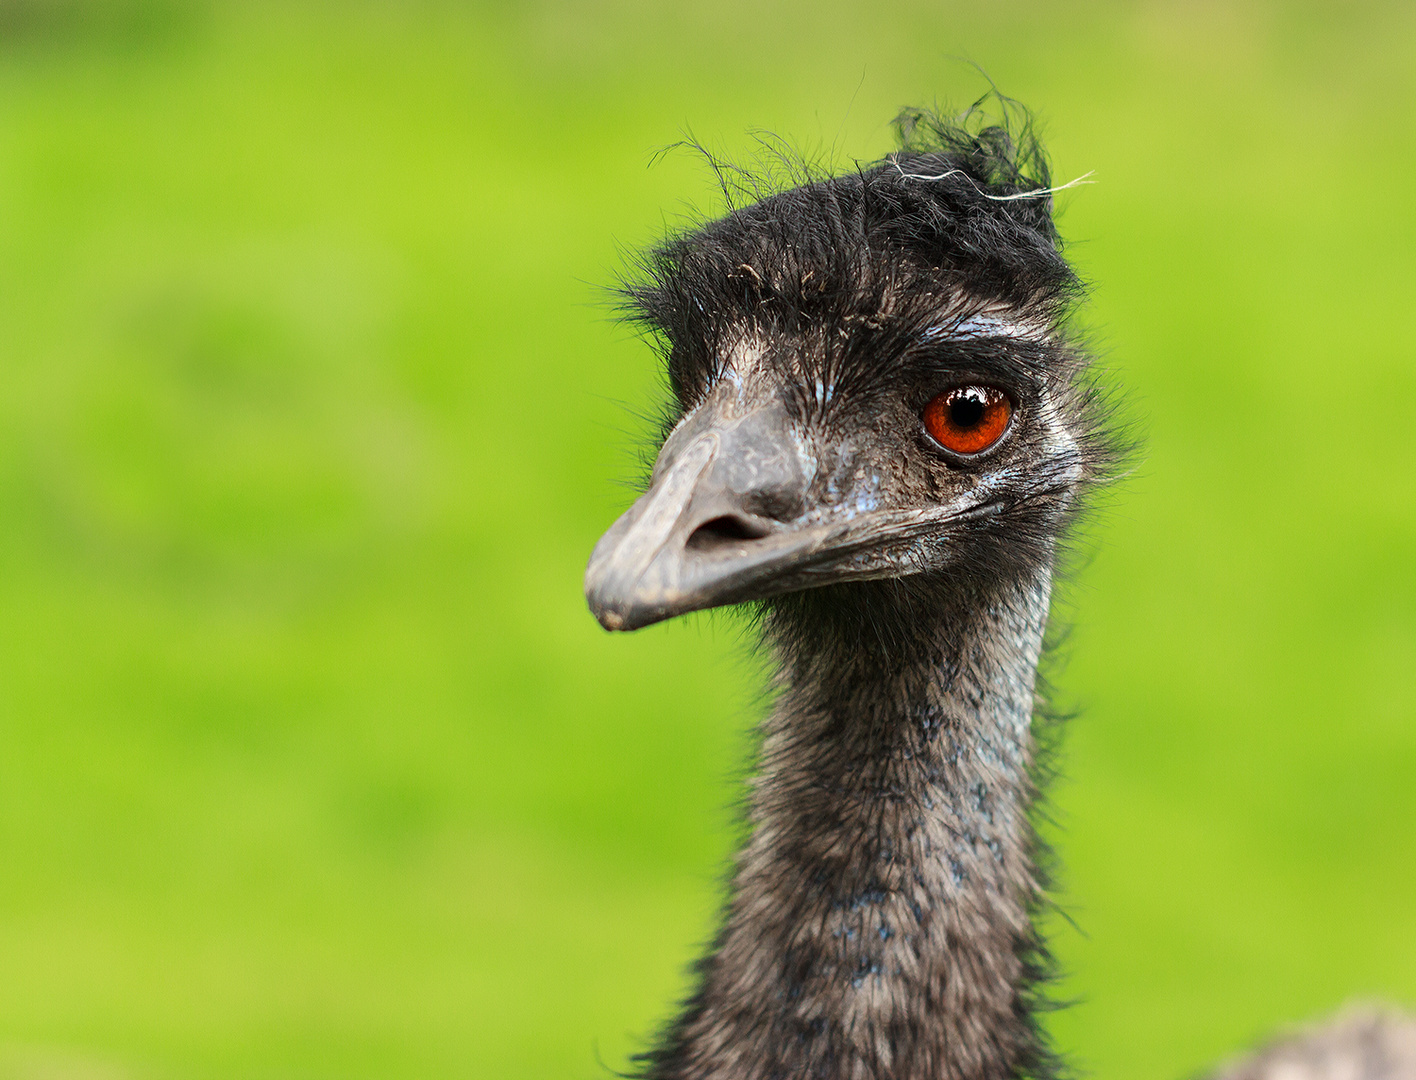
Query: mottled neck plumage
(879, 923)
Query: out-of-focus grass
(312, 764)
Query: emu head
(871, 380)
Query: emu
(881, 430)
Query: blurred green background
(312, 763)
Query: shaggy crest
(928, 237)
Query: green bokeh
(312, 763)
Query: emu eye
(968, 419)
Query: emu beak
(713, 527)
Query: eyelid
(944, 369)
(927, 388)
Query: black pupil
(967, 406)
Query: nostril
(728, 529)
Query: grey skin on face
(751, 498)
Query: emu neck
(879, 920)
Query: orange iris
(968, 419)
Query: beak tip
(620, 613)
(599, 597)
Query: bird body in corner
(881, 430)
